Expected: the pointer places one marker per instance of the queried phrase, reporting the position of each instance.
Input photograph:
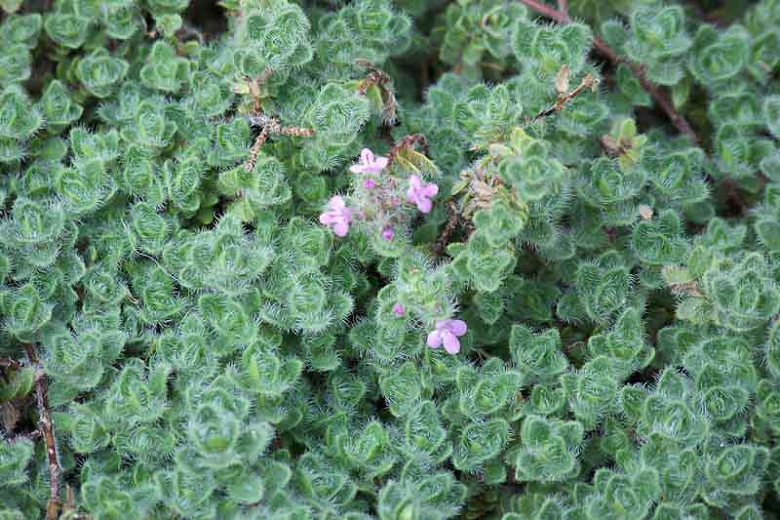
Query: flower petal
(430, 190)
(424, 205)
(451, 343)
(457, 327)
(341, 227)
(381, 162)
(434, 339)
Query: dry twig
(380, 79)
(587, 83)
(47, 429)
(614, 147)
(10, 363)
(271, 126)
(637, 69)
(407, 142)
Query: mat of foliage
(268, 259)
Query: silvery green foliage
(608, 293)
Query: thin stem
(588, 82)
(407, 142)
(664, 102)
(254, 152)
(547, 11)
(637, 69)
(47, 429)
(563, 8)
(10, 363)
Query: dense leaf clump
(278, 259)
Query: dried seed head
(562, 80)
(589, 81)
(645, 211)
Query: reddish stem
(637, 69)
(547, 11)
(563, 8)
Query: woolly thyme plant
(496, 259)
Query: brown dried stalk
(637, 69)
(46, 427)
(587, 83)
(407, 142)
(380, 79)
(614, 147)
(271, 126)
(682, 287)
(374, 76)
(255, 86)
(10, 363)
(689, 288)
(260, 140)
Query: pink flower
(420, 193)
(447, 332)
(388, 233)
(369, 184)
(369, 163)
(399, 309)
(338, 216)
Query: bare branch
(271, 126)
(46, 427)
(637, 69)
(587, 83)
(10, 363)
(407, 142)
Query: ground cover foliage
(268, 259)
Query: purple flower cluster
(377, 203)
(379, 200)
